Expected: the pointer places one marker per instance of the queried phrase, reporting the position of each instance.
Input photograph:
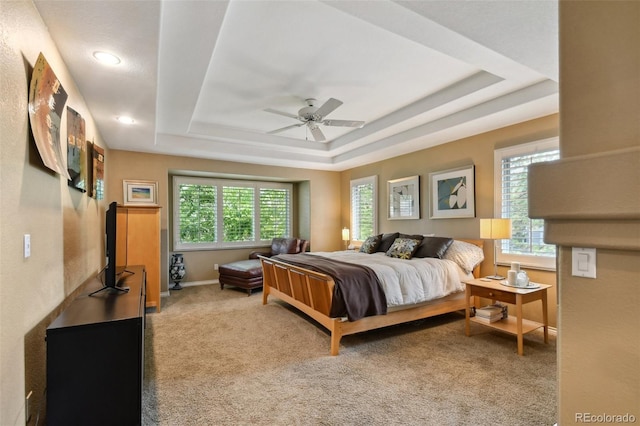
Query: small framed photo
(453, 193)
(404, 198)
(140, 192)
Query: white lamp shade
(495, 229)
(345, 234)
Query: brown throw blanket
(357, 292)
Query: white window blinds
(217, 213)
(363, 208)
(275, 212)
(512, 201)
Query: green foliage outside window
(197, 213)
(238, 213)
(211, 213)
(274, 213)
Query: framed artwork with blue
(453, 193)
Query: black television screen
(111, 277)
(110, 274)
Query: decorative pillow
(403, 248)
(387, 240)
(418, 237)
(371, 244)
(433, 247)
(464, 254)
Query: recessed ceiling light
(125, 120)
(106, 58)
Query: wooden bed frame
(311, 292)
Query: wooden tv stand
(95, 357)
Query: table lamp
(495, 229)
(345, 237)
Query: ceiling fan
(312, 117)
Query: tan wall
(599, 349)
(66, 226)
(317, 202)
(477, 150)
(597, 205)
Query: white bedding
(411, 281)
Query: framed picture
(453, 193)
(140, 192)
(404, 198)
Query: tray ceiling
(197, 76)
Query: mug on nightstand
(522, 279)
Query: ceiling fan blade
(286, 114)
(273, 132)
(343, 123)
(317, 133)
(327, 108)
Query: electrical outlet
(27, 407)
(215, 266)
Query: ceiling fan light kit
(313, 116)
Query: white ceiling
(197, 76)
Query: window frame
(373, 181)
(219, 183)
(531, 261)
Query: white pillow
(467, 255)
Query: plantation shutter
(238, 213)
(362, 211)
(219, 213)
(275, 206)
(197, 213)
(527, 234)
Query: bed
(305, 282)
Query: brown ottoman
(246, 274)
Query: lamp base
(496, 277)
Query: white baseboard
(189, 284)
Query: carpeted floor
(218, 357)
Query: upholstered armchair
(282, 246)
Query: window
(218, 213)
(364, 218)
(512, 201)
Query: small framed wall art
(140, 192)
(404, 198)
(453, 193)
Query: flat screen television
(110, 275)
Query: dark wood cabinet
(95, 357)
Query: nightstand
(516, 296)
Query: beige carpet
(218, 357)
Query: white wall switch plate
(583, 262)
(27, 245)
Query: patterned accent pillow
(403, 248)
(371, 244)
(464, 254)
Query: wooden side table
(516, 296)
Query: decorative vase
(177, 270)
